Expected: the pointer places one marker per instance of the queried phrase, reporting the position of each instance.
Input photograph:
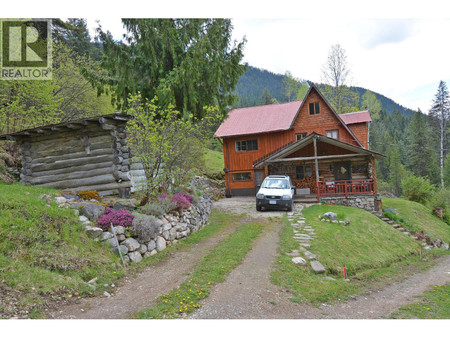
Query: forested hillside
(254, 81)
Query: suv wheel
(291, 206)
(258, 208)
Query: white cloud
(401, 59)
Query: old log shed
(86, 154)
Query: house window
(333, 134)
(342, 171)
(242, 177)
(314, 108)
(303, 171)
(300, 136)
(247, 145)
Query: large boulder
(90, 210)
(330, 215)
(151, 245)
(104, 236)
(135, 256)
(131, 244)
(160, 243)
(93, 232)
(123, 249)
(142, 249)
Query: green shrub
(441, 199)
(158, 208)
(417, 189)
(145, 227)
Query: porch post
(266, 170)
(316, 162)
(315, 159)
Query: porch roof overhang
(281, 156)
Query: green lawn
(372, 251)
(44, 253)
(420, 216)
(434, 304)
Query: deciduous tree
(336, 73)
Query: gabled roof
(286, 151)
(115, 117)
(356, 117)
(259, 119)
(269, 118)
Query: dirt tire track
(140, 292)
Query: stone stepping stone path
(303, 234)
(399, 227)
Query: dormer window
(314, 108)
(333, 134)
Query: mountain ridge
(252, 83)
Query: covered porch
(322, 168)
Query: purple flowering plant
(116, 217)
(183, 201)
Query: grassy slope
(213, 161)
(44, 253)
(434, 304)
(371, 250)
(422, 217)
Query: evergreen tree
(419, 149)
(396, 169)
(266, 98)
(440, 115)
(186, 63)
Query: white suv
(276, 192)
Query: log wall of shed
(91, 157)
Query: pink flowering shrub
(164, 196)
(116, 217)
(183, 201)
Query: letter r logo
(25, 43)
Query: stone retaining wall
(171, 229)
(166, 231)
(366, 202)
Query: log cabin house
(326, 155)
(86, 154)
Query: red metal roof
(356, 117)
(259, 119)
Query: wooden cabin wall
(320, 123)
(92, 157)
(361, 132)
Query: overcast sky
(403, 59)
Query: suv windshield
(274, 183)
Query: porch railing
(347, 187)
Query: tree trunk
(442, 150)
